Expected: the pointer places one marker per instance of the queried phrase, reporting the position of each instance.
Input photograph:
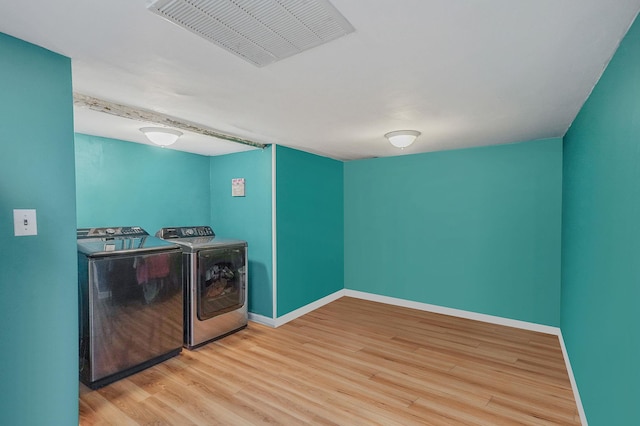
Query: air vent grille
(262, 31)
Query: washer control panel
(113, 232)
(186, 232)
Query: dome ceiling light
(402, 138)
(161, 135)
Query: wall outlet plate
(24, 222)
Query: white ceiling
(464, 73)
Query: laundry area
(477, 159)
(150, 290)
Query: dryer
(215, 283)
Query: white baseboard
(308, 308)
(261, 319)
(453, 312)
(574, 385)
(277, 322)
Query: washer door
(221, 281)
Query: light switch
(24, 222)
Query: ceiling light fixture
(402, 138)
(160, 135)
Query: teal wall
(38, 287)
(601, 242)
(172, 188)
(247, 218)
(310, 228)
(129, 184)
(474, 229)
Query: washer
(215, 283)
(130, 301)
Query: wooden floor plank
(351, 362)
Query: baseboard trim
(261, 319)
(454, 312)
(308, 308)
(277, 322)
(574, 385)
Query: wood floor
(351, 362)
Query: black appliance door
(221, 281)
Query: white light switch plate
(24, 222)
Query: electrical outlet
(24, 222)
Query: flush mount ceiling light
(402, 138)
(160, 135)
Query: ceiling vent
(260, 32)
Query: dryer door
(221, 281)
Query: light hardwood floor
(351, 362)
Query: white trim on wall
(453, 312)
(274, 242)
(261, 319)
(574, 385)
(525, 325)
(308, 308)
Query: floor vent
(260, 32)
